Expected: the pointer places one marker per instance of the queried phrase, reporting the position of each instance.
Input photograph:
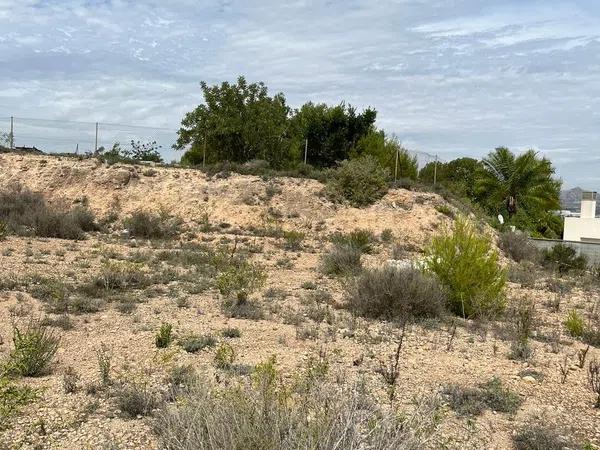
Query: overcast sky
(453, 77)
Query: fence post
(12, 133)
(96, 145)
(435, 171)
(305, 150)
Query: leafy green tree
(523, 187)
(331, 131)
(384, 150)
(237, 122)
(457, 175)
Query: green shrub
(193, 344)
(242, 308)
(118, 276)
(467, 265)
(293, 240)
(342, 260)
(231, 332)
(164, 337)
(386, 235)
(564, 259)
(490, 395)
(34, 348)
(12, 398)
(224, 357)
(518, 246)
(391, 293)
(360, 181)
(241, 279)
(144, 224)
(575, 324)
(359, 239)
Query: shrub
(12, 398)
(594, 379)
(104, 357)
(136, 399)
(34, 348)
(523, 319)
(242, 308)
(360, 181)
(391, 293)
(231, 332)
(490, 395)
(164, 337)
(538, 436)
(144, 224)
(224, 357)
(70, 380)
(118, 276)
(467, 265)
(523, 273)
(3, 230)
(359, 239)
(342, 260)
(27, 213)
(564, 259)
(270, 413)
(518, 246)
(386, 235)
(241, 279)
(575, 324)
(293, 240)
(193, 344)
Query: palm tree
(525, 182)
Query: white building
(586, 227)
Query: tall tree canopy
(522, 187)
(457, 175)
(237, 122)
(331, 131)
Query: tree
(237, 122)
(331, 131)
(384, 150)
(457, 175)
(523, 187)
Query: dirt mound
(238, 200)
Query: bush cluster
(392, 293)
(360, 182)
(518, 246)
(27, 213)
(564, 259)
(148, 225)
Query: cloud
(452, 78)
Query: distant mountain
(571, 200)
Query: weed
(193, 344)
(70, 380)
(34, 348)
(136, 399)
(231, 332)
(104, 357)
(224, 357)
(164, 337)
(575, 324)
(342, 260)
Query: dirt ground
(239, 209)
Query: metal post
(305, 150)
(435, 171)
(12, 133)
(96, 146)
(396, 170)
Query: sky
(453, 78)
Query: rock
(529, 379)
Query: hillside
(107, 297)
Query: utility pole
(12, 133)
(435, 171)
(96, 145)
(305, 150)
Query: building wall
(577, 228)
(589, 249)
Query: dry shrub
(392, 293)
(342, 260)
(518, 246)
